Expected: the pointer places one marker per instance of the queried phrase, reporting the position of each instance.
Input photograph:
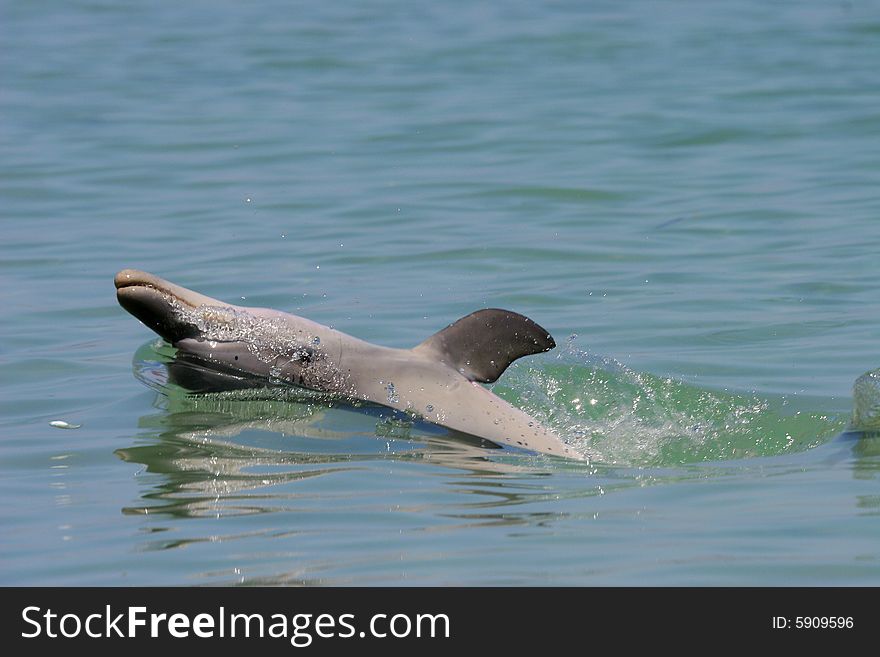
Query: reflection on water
(319, 492)
(866, 453)
(240, 452)
(277, 443)
(220, 455)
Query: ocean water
(685, 196)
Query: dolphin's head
(254, 341)
(160, 304)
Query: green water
(685, 196)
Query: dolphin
(866, 403)
(437, 380)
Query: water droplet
(316, 340)
(393, 397)
(429, 408)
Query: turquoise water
(686, 196)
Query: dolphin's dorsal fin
(481, 345)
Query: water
(692, 192)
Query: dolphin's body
(438, 380)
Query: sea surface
(686, 195)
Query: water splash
(617, 416)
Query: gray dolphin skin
(866, 403)
(438, 380)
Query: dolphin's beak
(158, 303)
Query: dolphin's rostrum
(438, 380)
